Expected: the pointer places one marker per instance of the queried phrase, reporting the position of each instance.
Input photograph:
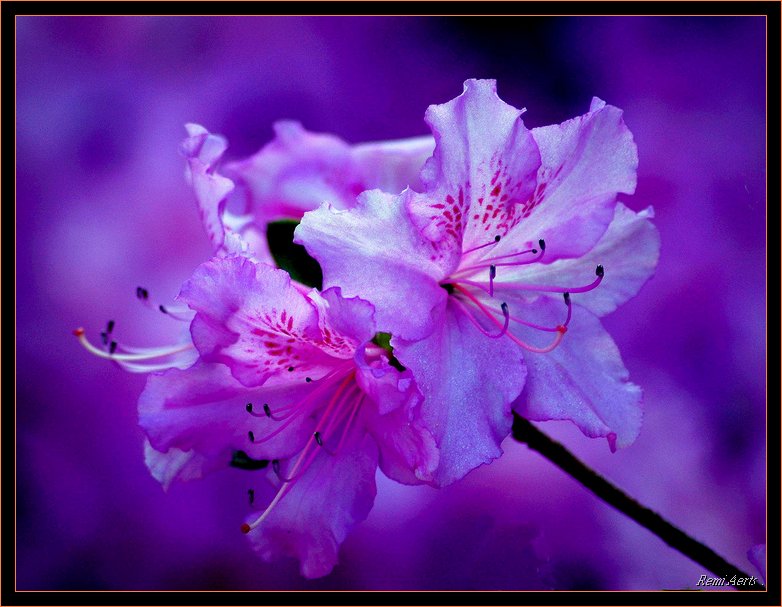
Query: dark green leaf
(292, 258)
(244, 462)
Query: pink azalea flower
(294, 379)
(291, 175)
(492, 278)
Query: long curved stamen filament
(352, 394)
(353, 411)
(320, 435)
(541, 246)
(246, 528)
(307, 453)
(599, 271)
(300, 408)
(493, 261)
(322, 384)
(182, 313)
(560, 330)
(486, 311)
(483, 246)
(138, 354)
(533, 325)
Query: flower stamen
(130, 357)
(483, 246)
(307, 455)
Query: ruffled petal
(468, 381)
(202, 410)
(393, 165)
(175, 464)
(203, 150)
(345, 323)
(314, 517)
(299, 170)
(250, 317)
(481, 174)
(583, 379)
(295, 173)
(586, 163)
(374, 252)
(628, 251)
(408, 452)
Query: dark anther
(251, 436)
(534, 251)
(308, 379)
(267, 410)
(492, 271)
(504, 307)
(290, 368)
(276, 466)
(497, 238)
(567, 298)
(251, 495)
(600, 271)
(104, 337)
(162, 308)
(109, 327)
(142, 293)
(112, 347)
(249, 407)
(542, 244)
(318, 439)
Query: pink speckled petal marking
(481, 174)
(250, 317)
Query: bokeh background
(102, 207)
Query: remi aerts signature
(736, 580)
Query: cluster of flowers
(463, 278)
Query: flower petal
(468, 381)
(374, 252)
(481, 174)
(628, 251)
(202, 410)
(315, 516)
(251, 317)
(408, 452)
(393, 165)
(203, 150)
(345, 323)
(175, 464)
(295, 173)
(586, 162)
(583, 379)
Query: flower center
(474, 279)
(332, 429)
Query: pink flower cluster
(464, 277)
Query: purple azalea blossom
(292, 378)
(291, 175)
(491, 279)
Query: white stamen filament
(137, 354)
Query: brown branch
(525, 432)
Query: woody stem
(525, 432)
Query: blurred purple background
(102, 207)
